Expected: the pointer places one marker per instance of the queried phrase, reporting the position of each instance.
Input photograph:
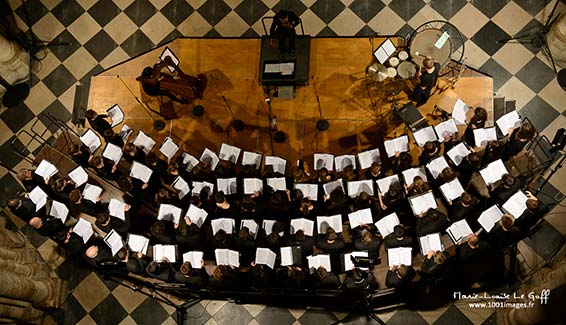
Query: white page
(168, 53)
(199, 186)
(112, 152)
(116, 114)
(193, 257)
(227, 185)
(458, 153)
(341, 162)
(387, 223)
(252, 226)
(319, 260)
(114, 241)
(287, 68)
(436, 166)
(410, 174)
(145, 142)
(140, 171)
(267, 226)
(368, 157)
(399, 256)
(59, 211)
(331, 186)
(84, 229)
(277, 183)
(251, 158)
(459, 230)
(348, 265)
(385, 183)
(459, 112)
(92, 193)
(507, 121)
(138, 243)
(169, 148)
(189, 160)
(421, 203)
(169, 212)
(91, 140)
(221, 256)
(46, 169)
(306, 225)
(38, 197)
(446, 128)
(452, 190)
(399, 144)
(489, 217)
(233, 258)
(116, 209)
(493, 172)
(265, 256)
(516, 204)
(225, 224)
(424, 135)
(278, 163)
(79, 176)
(165, 251)
(483, 136)
(211, 155)
(287, 256)
(181, 186)
(196, 215)
(334, 221)
(430, 242)
(355, 188)
(252, 185)
(363, 216)
(384, 51)
(125, 132)
(230, 153)
(442, 40)
(325, 160)
(309, 190)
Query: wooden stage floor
(359, 113)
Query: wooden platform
(359, 113)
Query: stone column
(14, 62)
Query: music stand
(411, 116)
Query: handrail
(272, 17)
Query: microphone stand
(322, 124)
(236, 123)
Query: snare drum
(406, 70)
(403, 56)
(393, 61)
(391, 72)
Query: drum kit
(397, 67)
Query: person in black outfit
(97, 252)
(428, 78)
(137, 263)
(505, 232)
(331, 243)
(283, 28)
(97, 121)
(518, 140)
(162, 270)
(399, 276)
(70, 241)
(430, 151)
(532, 214)
(224, 209)
(291, 277)
(105, 167)
(435, 263)
(468, 166)
(358, 281)
(398, 238)
(188, 235)
(48, 226)
(85, 206)
(60, 189)
(472, 249)
(401, 161)
(262, 275)
(111, 137)
(106, 222)
(509, 185)
(246, 245)
(476, 122)
(133, 153)
(163, 232)
(375, 171)
(193, 278)
(24, 208)
(432, 221)
(465, 207)
(493, 151)
(225, 277)
(368, 241)
(30, 180)
(80, 154)
(322, 279)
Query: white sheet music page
(46, 169)
(341, 162)
(225, 224)
(265, 256)
(331, 186)
(493, 172)
(508, 121)
(196, 215)
(452, 190)
(38, 197)
(334, 221)
(317, 261)
(387, 223)
(227, 185)
(79, 176)
(410, 174)
(446, 128)
(252, 185)
(138, 243)
(366, 158)
(193, 257)
(91, 140)
(399, 256)
(323, 160)
(92, 192)
(116, 114)
(169, 212)
(308, 190)
(140, 171)
(424, 135)
(348, 265)
(251, 158)
(169, 148)
(306, 225)
(459, 230)
(145, 142)
(430, 242)
(360, 217)
(189, 160)
(168, 53)
(112, 152)
(385, 183)
(229, 153)
(84, 229)
(399, 144)
(436, 166)
(252, 226)
(210, 157)
(181, 186)
(483, 136)
(422, 202)
(459, 112)
(278, 163)
(59, 211)
(277, 183)
(489, 217)
(114, 241)
(516, 204)
(116, 209)
(355, 188)
(458, 153)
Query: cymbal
(377, 72)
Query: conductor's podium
(285, 70)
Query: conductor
(283, 28)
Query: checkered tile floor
(103, 33)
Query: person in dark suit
(24, 208)
(188, 235)
(85, 206)
(471, 250)
(322, 279)
(80, 154)
(509, 185)
(330, 243)
(226, 277)
(60, 189)
(464, 207)
(435, 263)
(162, 270)
(430, 151)
(193, 278)
(476, 122)
(133, 153)
(137, 263)
(48, 226)
(518, 140)
(493, 151)
(358, 281)
(368, 241)
(505, 232)
(262, 276)
(283, 28)
(432, 221)
(375, 171)
(399, 276)
(401, 161)
(163, 232)
(97, 121)
(30, 180)
(246, 245)
(105, 167)
(305, 242)
(97, 252)
(106, 222)
(531, 215)
(428, 77)
(290, 277)
(468, 166)
(398, 238)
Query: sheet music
(141, 172)
(92, 193)
(387, 223)
(278, 163)
(458, 153)
(230, 153)
(225, 224)
(436, 166)
(489, 217)
(145, 142)
(265, 256)
(84, 229)
(79, 176)
(138, 243)
(459, 112)
(368, 157)
(355, 188)
(267, 226)
(341, 162)
(507, 121)
(516, 204)
(424, 135)
(227, 185)
(446, 128)
(189, 160)
(112, 152)
(252, 226)
(91, 140)
(331, 186)
(288, 255)
(227, 257)
(114, 241)
(334, 221)
(38, 197)
(59, 211)
(459, 230)
(169, 212)
(125, 132)
(169, 148)
(360, 217)
(319, 260)
(421, 203)
(181, 186)
(308, 190)
(493, 172)
(251, 158)
(116, 209)
(46, 169)
(116, 114)
(198, 187)
(210, 155)
(430, 242)
(452, 190)
(442, 40)
(160, 252)
(399, 144)
(384, 51)
(252, 185)
(196, 215)
(410, 174)
(168, 53)
(483, 136)
(193, 257)
(306, 225)
(399, 256)
(385, 183)
(277, 183)
(325, 160)
(348, 265)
